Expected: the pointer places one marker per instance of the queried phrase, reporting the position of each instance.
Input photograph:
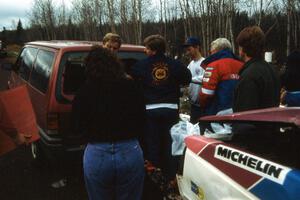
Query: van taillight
(52, 121)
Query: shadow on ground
(22, 179)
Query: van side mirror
(7, 66)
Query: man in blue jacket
(290, 80)
(161, 78)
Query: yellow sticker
(201, 195)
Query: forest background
(174, 19)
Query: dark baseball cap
(192, 41)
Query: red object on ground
(16, 113)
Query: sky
(13, 10)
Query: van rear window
(25, 62)
(72, 69)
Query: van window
(130, 58)
(25, 62)
(131, 55)
(42, 69)
(74, 69)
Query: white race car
(260, 163)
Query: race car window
(274, 142)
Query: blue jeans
(158, 141)
(114, 170)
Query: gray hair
(220, 44)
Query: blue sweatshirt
(161, 78)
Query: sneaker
(59, 184)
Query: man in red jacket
(220, 78)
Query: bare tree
(43, 14)
(62, 20)
(88, 15)
(288, 37)
(111, 14)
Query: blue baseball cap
(192, 41)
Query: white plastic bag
(179, 132)
(220, 131)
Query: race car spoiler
(286, 115)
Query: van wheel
(37, 153)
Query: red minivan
(53, 71)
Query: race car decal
(197, 190)
(209, 68)
(205, 80)
(263, 178)
(259, 166)
(199, 146)
(207, 74)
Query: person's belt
(161, 105)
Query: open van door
(16, 113)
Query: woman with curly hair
(109, 112)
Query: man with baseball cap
(192, 47)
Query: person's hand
(282, 96)
(129, 77)
(20, 139)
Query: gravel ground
(21, 179)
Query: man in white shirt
(192, 47)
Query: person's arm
(184, 75)
(199, 77)
(136, 71)
(246, 96)
(18, 138)
(209, 84)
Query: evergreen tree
(19, 33)
(4, 37)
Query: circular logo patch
(160, 71)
